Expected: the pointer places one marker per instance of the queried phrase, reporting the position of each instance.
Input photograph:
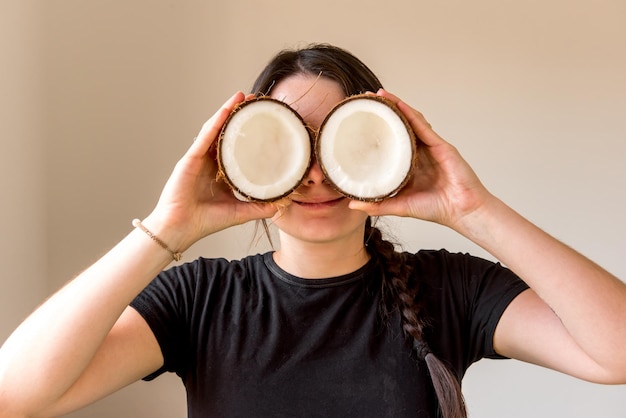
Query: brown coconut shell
(412, 136)
(222, 172)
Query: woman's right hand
(195, 202)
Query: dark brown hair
(401, 291)
(319, 59)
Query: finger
(422, 128)
(386, 207)
(388, 95)
(251, 211)
(212, 127)
(371, 209)
(256, 211)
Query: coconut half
(264, 150)
(366, 148)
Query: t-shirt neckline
(341, 280)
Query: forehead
(311, 96)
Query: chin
(317, 231)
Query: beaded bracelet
(177, 256)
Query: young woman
(335, 322)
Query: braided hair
(400, 289)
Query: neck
(318, 260)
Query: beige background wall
(99, 99)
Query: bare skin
(318, 224)
(84, 342)
(577, 309)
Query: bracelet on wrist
(177, 256)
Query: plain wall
(99, 100)
(23, 252)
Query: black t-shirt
(249, 339)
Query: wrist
(176, 255)
(173, 237)
(481, 223)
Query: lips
(318, 203)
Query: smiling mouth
(321, 204)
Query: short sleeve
(165, 304)
(465, 299)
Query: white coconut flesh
(264, 150)
(365, 149)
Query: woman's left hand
(443, 188)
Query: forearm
(51, 349)
(49, 352)
(590, 302)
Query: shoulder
(201, 279)
(446, 257)
(215, 268)
(464, 296)
(443, 264)
(464, 277)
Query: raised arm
(574, 317)
(84, 342)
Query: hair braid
(398, 291)
(401, 293)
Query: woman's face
(317, 212)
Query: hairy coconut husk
(409, 131)
(223, 172)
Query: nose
(315, 175)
